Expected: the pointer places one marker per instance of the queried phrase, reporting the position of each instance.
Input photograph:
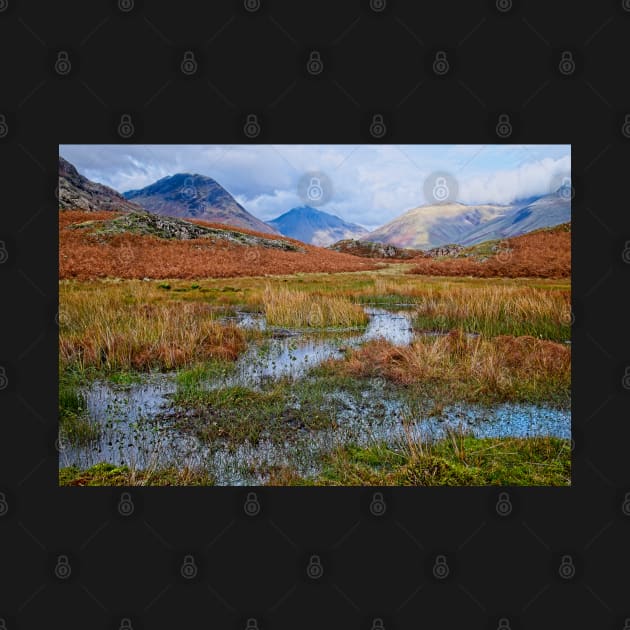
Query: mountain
(541, 212)
(185, 195)
(77, 192)
(434, 225)
(315, 227)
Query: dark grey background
(255, 62)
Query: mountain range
(431, 226)
(316, 227)
(187, 196)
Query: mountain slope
(543, 253)
(545, 211)
(185, 195)
(315, 227)
(77, 192)
(434, 225)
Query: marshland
(369, 377)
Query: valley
(202, 352)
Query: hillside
(104, 248)
(430, 226)
(192, 196)
(544, 253)
(313, 226)
(541, 212)
(77, 192)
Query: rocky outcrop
(452, 249)
(147, 224)
(368, 249)
(77, 192)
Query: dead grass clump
(297, 309)
(457, 366)
(114, 328)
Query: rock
(370, 249)
(76, 192)
(148, 224)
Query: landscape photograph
(314, 315)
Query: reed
(115, 328)
(297, 309)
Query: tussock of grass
(457, 367)
(454, 461)
(75, 427)
(114, 328)
(296, 309)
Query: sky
(364, 184)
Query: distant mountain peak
(191, 195)
(310, 225)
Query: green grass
(74, 425)
(540, 327)
(238, 414)
(456, 461)
(105, 474)
(190, 382)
